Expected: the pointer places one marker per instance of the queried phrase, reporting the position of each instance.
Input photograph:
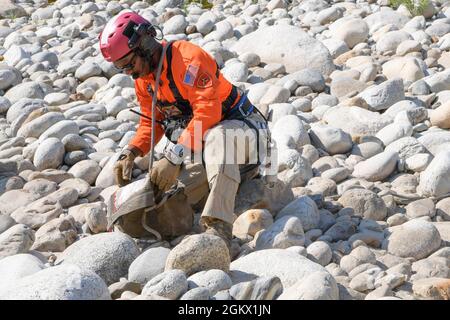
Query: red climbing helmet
(113, 43)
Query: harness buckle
(240, 107)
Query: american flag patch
(190, 75)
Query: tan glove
(164, 174)
(123, 168)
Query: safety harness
(240, 110)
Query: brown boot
(219, 228)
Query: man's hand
(164, 174)
(123, 168)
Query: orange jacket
(198, 80)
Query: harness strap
(180, 102)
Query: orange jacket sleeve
(142, 139)
(202, 96)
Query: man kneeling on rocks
(193, 94)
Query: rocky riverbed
(359, 100)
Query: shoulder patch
(190, 75)
(204, 80)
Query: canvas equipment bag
(166, 215)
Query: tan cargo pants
(229, 147)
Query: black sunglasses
(129, 65)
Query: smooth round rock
(199, 252)
(415, 238)
(148, 265)
(107, 254)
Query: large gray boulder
(65, 282)
(148, 265)
(416, 238)
(17, 266)
(355, 121)
(30, 90)
(289, 266)
(435, 180)
(107, 254)
(288, 45)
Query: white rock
(170, 284)
(17, 239)
(394, 131)
(415, 238)
(365, 203)
(213, 280)
(65, 282)
(385, 17)
(355, 121)
(107, 254)
(15, 267)
(30, 90)
(285, 232)
(335, 47)
(435, 180)
(176, 24)
(317, 286)
(49, 154)
(87, 70)
(320, 251)
(250, 222)
(391, 40)
(88, 170)
(378, 167)
(306, 77)
(290, 267)
(406, 147)
(55, 235)
(351, 31)
(294, 53)
(148, 265)
(407, 68)
(235, 72)
(408, 46)
(332, 140)
(384, 95)
(60, 130)
(39, 212)
(289, 131)
(199, 252)
(435, 141)
(303, 208)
